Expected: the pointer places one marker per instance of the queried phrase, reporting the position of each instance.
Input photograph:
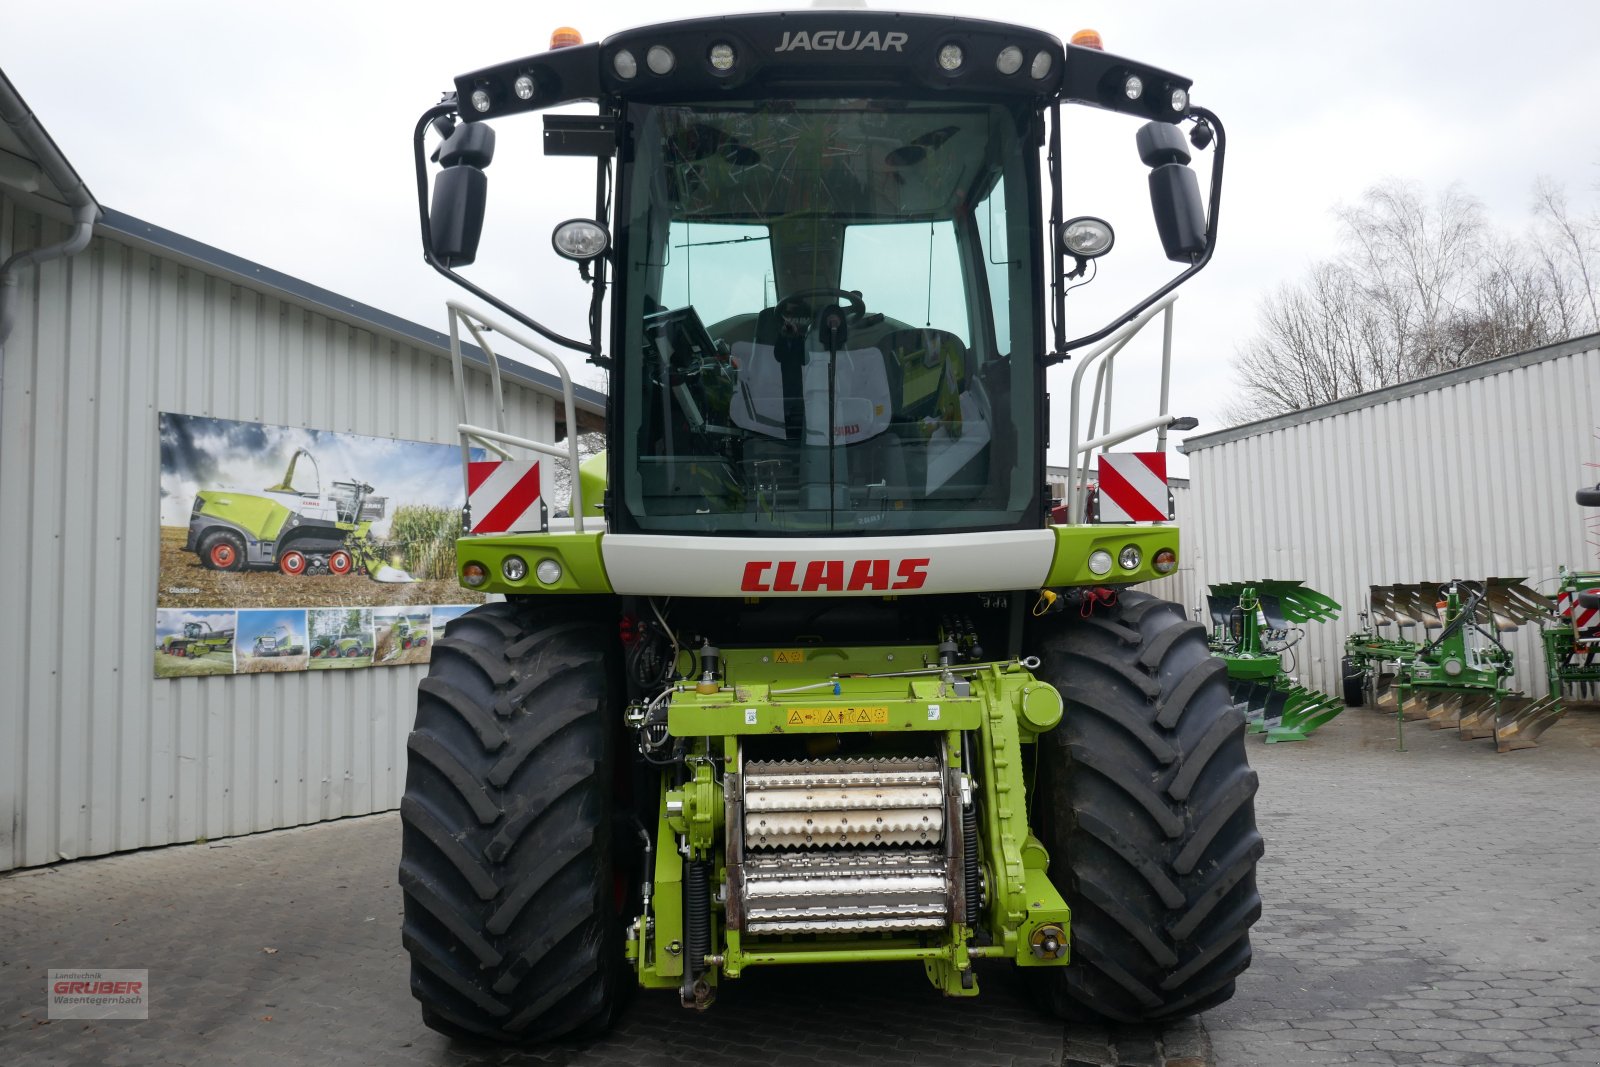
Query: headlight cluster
(1165, 561)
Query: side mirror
(1174, 191)
(460, 194)
(1589, 498)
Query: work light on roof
(523, 87)
(722, 56)
(626, 66)
(951, 57)
(1180, 100)
(1133, 88)
(660, 59)
(1009, 61)
(1041, 65)
(480, 99)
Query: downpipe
(54, 165)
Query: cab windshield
(828, 319)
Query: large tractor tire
(511, 909)
(1146, 805)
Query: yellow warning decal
(790, 655)
(837, 716)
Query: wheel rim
(292, 562)
(339, 563)
(222, 554)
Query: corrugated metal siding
(1472, 479)
(97, 756)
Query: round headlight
(548, 571)
(1087, 237)
(660, 59)
(1100, 561)
(480, 99)
(1129, 557)
(1180, 100)
(515, 568)
(1042, 63)
(625, 65)
(1133, 88)
(580, 239)
(722, 56)
(474, 574)
(951, 57)
(523, 87)
(1009, 61)
(1165, 561)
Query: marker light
(1100, 561)
(515, 568)
(1089, 39)
(951, 57)
(722, 56)
(480, 99)
(1087, 237)
(1009, 61)
(1041, 65)
(660, 59)
(564, 37)
(548, 571)
(523, 87)
(1133, 88)
(474, 574)
(580, 239)
(1165, 561)
(625, 65)
(1129, 557)
(1180, 100)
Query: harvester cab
(809, 629)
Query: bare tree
(1421, 286)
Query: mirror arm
(448, 107)
(1059, 312)
(1213, 213)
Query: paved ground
(1436, 906)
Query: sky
(281, 133)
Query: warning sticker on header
(837, 716)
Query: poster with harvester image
(271, 641)
(341, 638)
(192, 643)
(405, 635)
(256, 516)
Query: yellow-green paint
(582, 570)
(1074, 545)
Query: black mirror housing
(1180, 212)
(470, 144)
(1589, 498)
(455, 222)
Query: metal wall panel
(1472, 478)
(96, 755)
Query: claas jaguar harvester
(805, 674)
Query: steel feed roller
(844, 846)
(1253, 627)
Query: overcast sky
(282, 133)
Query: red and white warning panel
(1133, 487)
(503, 496)
(1583, 619)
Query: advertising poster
(285, 549)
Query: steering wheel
(799, 304)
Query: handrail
(477, 324)
(1077, 471)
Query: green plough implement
(1450, 668)
(1252, 628)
